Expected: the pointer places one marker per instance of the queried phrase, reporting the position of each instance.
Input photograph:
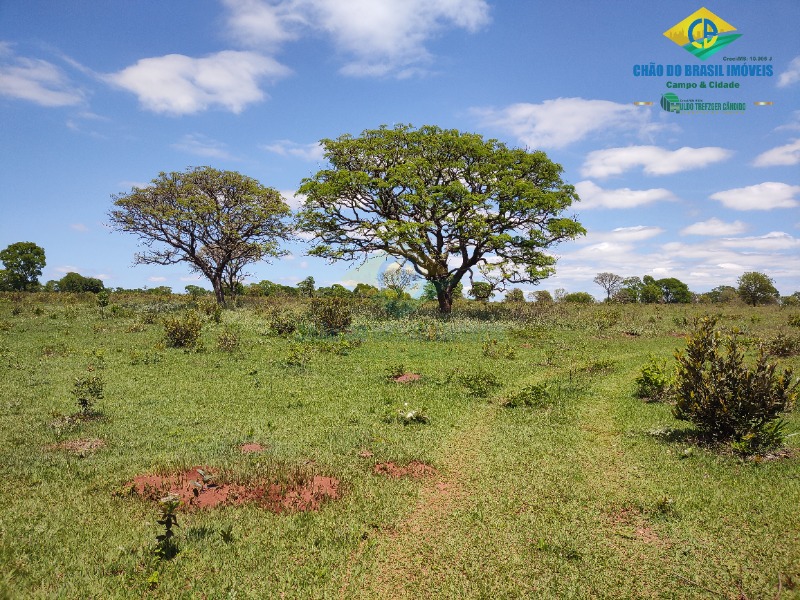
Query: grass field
(591, 493)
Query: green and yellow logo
(702, 33)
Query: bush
(783, 345)
(86, 391)
(536, 395)
(726, 400)
(653, 382)
(228, 340)
(332, 315)
(183, 332)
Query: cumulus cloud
(593, 196)
(563, 121)
(176, 84)
(791, 75)
(311, 152)
(200, 145)
(652, 159)
(35, 80)
(764, 196)
(781, 156)
(714, 227)
(376, 38)
(79, 227)
(770, 242)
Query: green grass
(582, 495)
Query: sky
(98, 97)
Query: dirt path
(402, 562)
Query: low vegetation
(524, 462)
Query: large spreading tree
(442, 201)
(215, 221)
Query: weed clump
(725, 399)
(537, 395)
(183, 332)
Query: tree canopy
(757, 288)
(23, 263)
(215, 221)
(442, 201)
(610, 282)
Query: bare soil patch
(415, 469)
(298, 496)
(80, 447)
(251, 448)
(407, 378)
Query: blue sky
(96, 97)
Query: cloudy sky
(97, 97)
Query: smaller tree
(579, 298)
(365, 290)
(397, 278)
(306, 287)
(757, 288)
(610, 282)
(674, 291)
(75, 282)
(541, 297)
(514, 295)
(23, 262)
(481, 290)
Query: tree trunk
(444, 294)
(219, 291)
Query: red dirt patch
(251, 448)
(79, 447)
(415, 469)
(407, 378)
(194, 494)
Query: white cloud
(780, 156)
(772, 241)
(593, 196)
(653, 160)
(200, 145)
(177, 84)
(563, 121)
(79, 227)
(714, 227)
(311, 152)
(791, 75)
(377, 38)
(294, 201)
(35, 80)
(637, 233)
(764, 196)
(155, 279)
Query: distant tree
(723, 294)
(650, 292)
(23, 263)
(610, 282)
(631, 289)
(215, 221)
(559, 294)
(791, 300)
(195, 291)
(365, 290)
(336, 290)
(579, 298)
(481, 290)
(398, 278)
(674, 291)
(306, 287)
(75, 282)
(161, 290)
(757, 288)
(429, 292)
(444, 201)
(541, 297)
(514, 295)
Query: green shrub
(494, 349)
(282, 322)
(332, 315)
(183, 331)
(726, 400)
(86, 391)
(228, 340)
(794, 320)
(653, 381)
(783, 345)
(537, 395)
(479, 383)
